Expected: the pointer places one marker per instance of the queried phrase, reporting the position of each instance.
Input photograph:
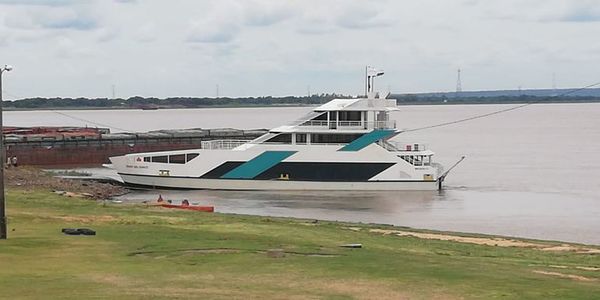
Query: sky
(152, 48)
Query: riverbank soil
(26, 177)
(147, 252)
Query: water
(531, 173)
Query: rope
(78, 118)
(498, 111)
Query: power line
(88, 121)
(498, 111)
(458, 83)
(81, 119)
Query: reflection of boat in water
(344, 144)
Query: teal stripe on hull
(257, 165)
(367, 139)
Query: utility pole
(217, 91)
(458, 83)
(113, 91)
(2, 161)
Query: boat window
(190, 156)
(147, 159)
(177, 159)
(300, 138)
(318, 138)
(284, 138)
(350, 115)
(160, 159)
(321, 117)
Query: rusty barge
(64, 146)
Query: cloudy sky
(73, 48)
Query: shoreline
(234, 256)
(291, 105)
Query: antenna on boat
(370, 74)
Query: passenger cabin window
(160, 159)
(350, 115)
(321, 117)
(301, 138)
(172, 159)
(284, 138)
(318, 138)
(177, 159)
(190, 156)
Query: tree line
(194, 102)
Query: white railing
(402, 147)
(223, 144)
(351, 124)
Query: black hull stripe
(309, 171)
(197, 178)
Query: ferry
(345, 144)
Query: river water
(532, 172)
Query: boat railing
(350, 124)
(222, 144)
(394, 146)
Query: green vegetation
(191, 102)
(175, 102)
(150, 252)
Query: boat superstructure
(345, 144)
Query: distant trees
(192, 102)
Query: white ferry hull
(343, 145)
(288, 185)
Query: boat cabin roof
(359, 104)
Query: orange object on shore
(185, 204)
(190, 207)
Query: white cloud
(260, 47)
(266, 13)
(41, 2)
(35, 18)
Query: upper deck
(343, 115)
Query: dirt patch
(572, 248)
(562, 275)
(224, 251)
(88, 219)
(588, 268)
(499, 242)
(188, 251)
(30, 177)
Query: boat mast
(370, 74)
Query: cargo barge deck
(64, 146)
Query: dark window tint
(350, 115)
(332, 138)
(191, 156)
(285, 138)
(300, 138)
(321, 117)
(177, 159)
(160, 159)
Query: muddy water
(533, 172)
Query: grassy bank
(147, 252)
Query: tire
(86, 231)
(71, 231)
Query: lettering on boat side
(136, 167)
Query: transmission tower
(458, 83)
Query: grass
(154, 253)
